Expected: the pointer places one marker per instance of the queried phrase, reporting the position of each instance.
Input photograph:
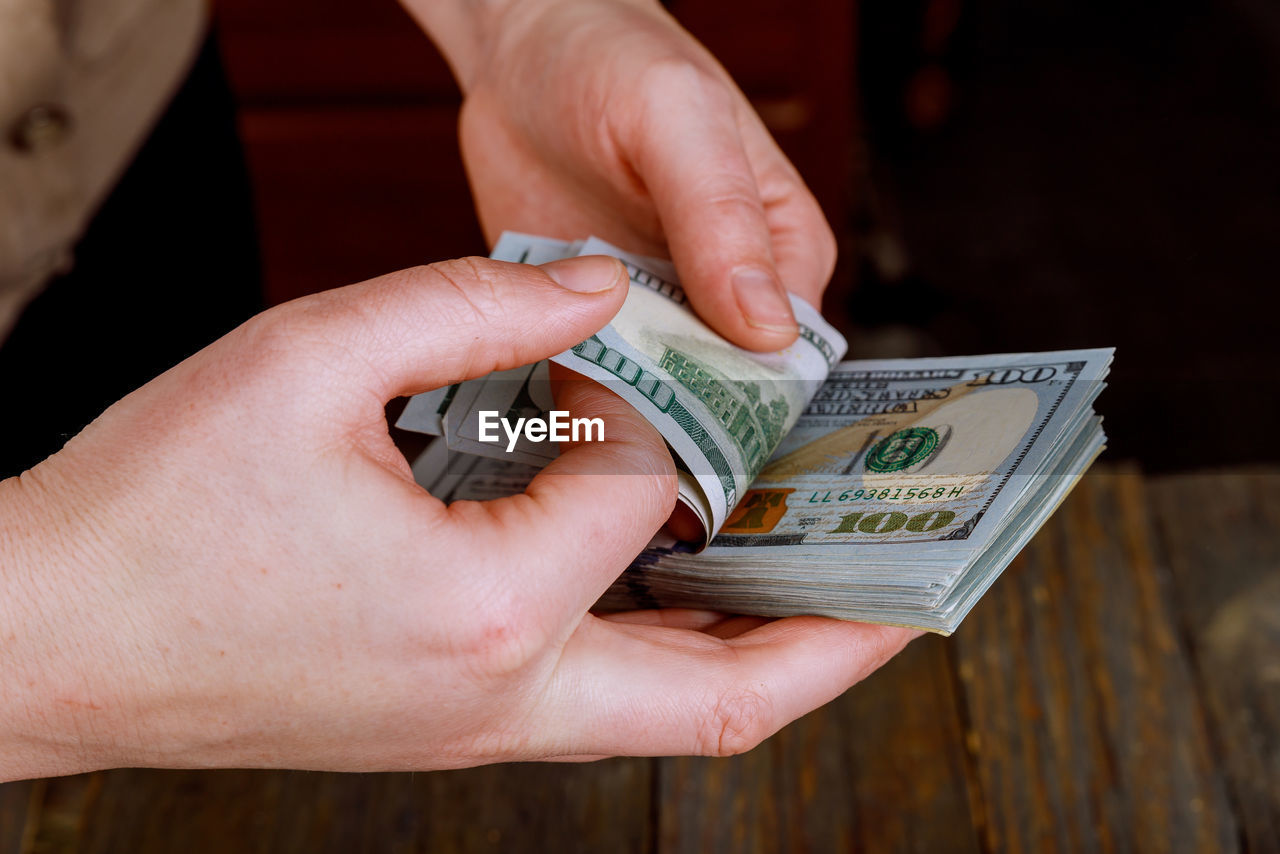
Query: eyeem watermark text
(557, 427)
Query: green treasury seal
(902, 450)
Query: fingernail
(586, 274)
(763, 302)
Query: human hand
(234, 567)
(606, 117)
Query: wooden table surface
(1118, 689)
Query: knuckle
(733, 198)
(825, 238)
(826, 249)
(266, 336)
(738, 720)
(473, 289)
(674, 83)
(274, 341)
(476, 280)
(470, 295)
(504, 640)
(307, 342)
(675, 76)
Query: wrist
(48, 703)
(462, 30)
(469, 32)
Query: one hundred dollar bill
(722, 409)
(890, 491)
(900, 494)
(917, 452)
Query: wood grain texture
(19, 812)
(330, 52)
(1221, 538)
(602, 806)
(1085, 723)
(349, 119)
(880, 769)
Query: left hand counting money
(233, 566)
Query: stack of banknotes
(885, 491)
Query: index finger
(692, 160)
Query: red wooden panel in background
(286, 51)
(349, 117)
(344, 195)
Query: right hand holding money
(606, 117)
(234, 567)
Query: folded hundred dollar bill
(890, 491)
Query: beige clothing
(81, 83)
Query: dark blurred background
(1061, 174)
(1002, 175)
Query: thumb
(425, 327)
